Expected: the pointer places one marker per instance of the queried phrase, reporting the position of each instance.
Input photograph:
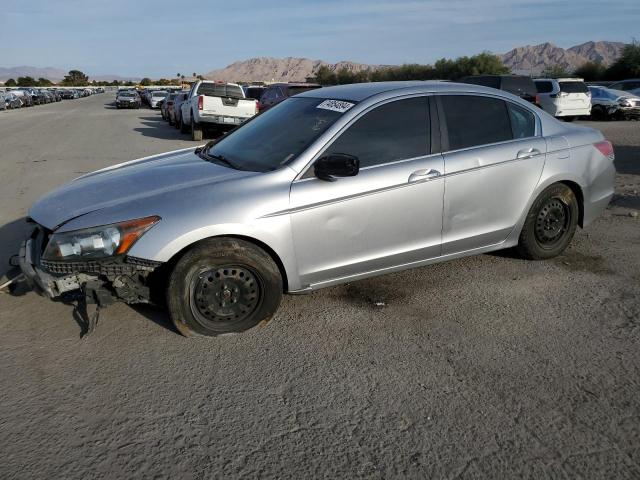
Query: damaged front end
(98, 281)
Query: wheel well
(577, 191)
(274, 256)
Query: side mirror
(336, 165)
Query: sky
(160, 38)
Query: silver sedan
(330, 186)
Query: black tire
(196, 131)
(598, 113)
(183, 128)
(550, 223)
(222, 286)
(569, 118)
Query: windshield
(159, 94)
(126, 94)
(277, 136)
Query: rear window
(291, 91)
(255, 93)
(573, 87)
(220, 90)
(474, 120)
(159, 94)
(521, 86)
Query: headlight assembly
(97, 242)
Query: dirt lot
(487, 367)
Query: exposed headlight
(97, 242)
(625, 102)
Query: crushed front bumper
(40, 280)
(124, 278)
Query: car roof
(357, 92)
(294, 84)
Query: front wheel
(550, 223)
(221, 286)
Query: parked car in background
(632, 85)
(214, 105)
(25, 97)
(128, 99)
(155, 96)
(175, 114)
(328, 187)
(518, 85)
(3, 101)
(67, 94)
(12, 101)
(607, 104)
(167, 105)
(277, 92)
(566, 98)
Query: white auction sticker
(336, 105)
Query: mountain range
(527, 60)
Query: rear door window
(395, 131)
(475, 120)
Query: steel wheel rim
(225, 294)
(552, 222)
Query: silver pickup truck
(213, 105)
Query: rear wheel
(569, 118)
(223, 285)
(196, 131)
(550, 223)
(183, 128)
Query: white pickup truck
(215, 104)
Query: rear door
(493, 159)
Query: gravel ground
(486, 367)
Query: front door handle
(424, 174)
(528, 153)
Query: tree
(555, 71)
(44, 82)
(26, 81)
(324, 76)
(591, 71)
(628, 65)
(10, 83)
(145, 82)
(75, 78)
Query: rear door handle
(424, 174)
(528, 153)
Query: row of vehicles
(570, 98)
(210, 105)
(11, 99)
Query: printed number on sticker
(336, 105)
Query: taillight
(606, 148)
(538, 100)
(200, 102)
(258, 106)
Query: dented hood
(145, 179)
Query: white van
(567, 98)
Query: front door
(388, 215)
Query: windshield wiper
(219, 158)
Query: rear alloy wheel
(223, 285)
(550, 223)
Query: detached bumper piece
(98, 282)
